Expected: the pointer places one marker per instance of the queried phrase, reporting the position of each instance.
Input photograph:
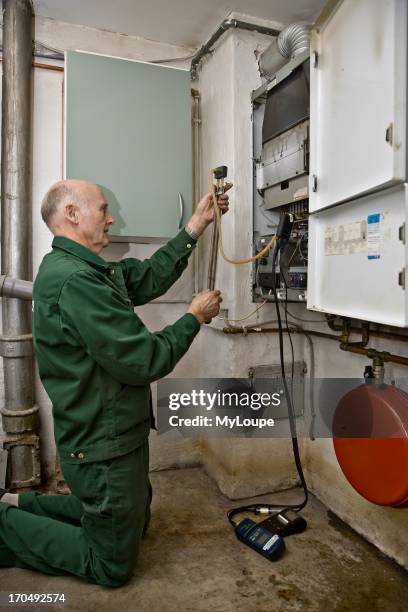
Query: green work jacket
(95, 356)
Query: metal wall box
(358, 115)
(358, 257)
(128, 128)
(283, 157)
(262, 375)
(296, 190)
(280, 179)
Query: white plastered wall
(244, 467)
(241, 467)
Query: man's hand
(204, 212)
(206, 305)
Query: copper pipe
(387, 335)
(375, 333)
(372, 353)
(275, 330)
(45, 66)
(49, 67)
(356, 348)
(365, 334)
(345, 331)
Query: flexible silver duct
(291, 41)
(294, 40)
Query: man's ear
(71, 213)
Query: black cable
(287, 324)
(291, 412)
(292, 369)
(265, 508)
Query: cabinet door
(128, 128)
(357, 258)
(358, 100)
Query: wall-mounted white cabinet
(128, 128)
(357, 258)
(358, 116)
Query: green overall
(96, 360)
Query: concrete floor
(191, 561)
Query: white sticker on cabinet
(374, 236)
(346, 239)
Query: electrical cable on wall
(282, 523)
(276, 243)
(247, 316)
(290, 338)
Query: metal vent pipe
(292, 41)
(226, 25)
(19, 414)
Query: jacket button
(81, 456)
(111, 272)
(189, 246)
(73, 455)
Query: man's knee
(114, 573)
(113, 580)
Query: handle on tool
(212, 267)
(220, 173)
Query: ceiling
(186, 23)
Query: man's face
(95, 220)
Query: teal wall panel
(128, 128)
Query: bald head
(78, 210)
(62, 193)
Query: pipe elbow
(229, 23)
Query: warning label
(346, 239)
(373, 236)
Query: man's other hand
(204, 212)
(206, 305)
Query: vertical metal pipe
(15, 157)
(196, 176)
(19, 414)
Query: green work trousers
(93, 533)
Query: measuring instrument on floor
(266, 537)
(258, 537)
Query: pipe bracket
(16, 346)
(24, 452)
(19, 413)
(20, 421)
